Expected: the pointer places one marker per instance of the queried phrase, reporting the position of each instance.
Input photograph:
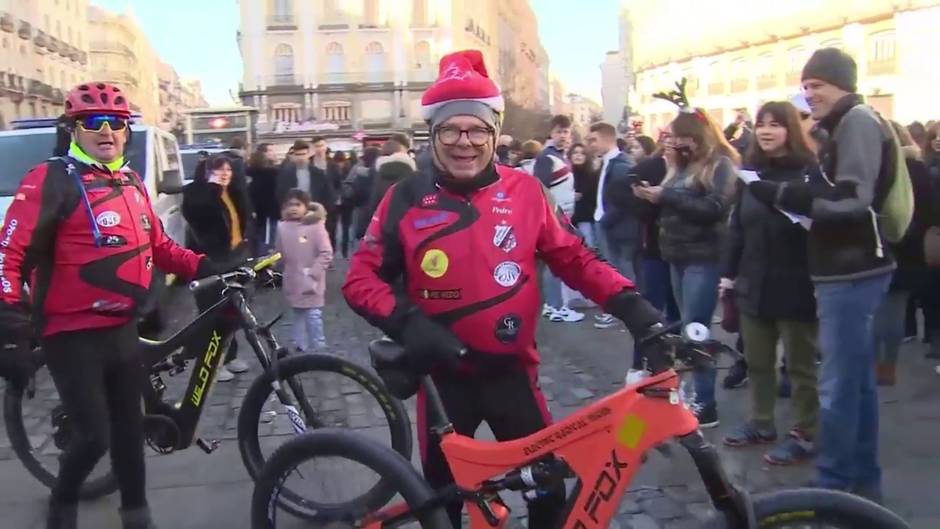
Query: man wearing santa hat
(448, 269)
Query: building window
(331, 13)
(337, 112)
(283, 65)
(832, 43)
(282, 10)
(58, 29)
(419, 15)
(423, 55)
(375, 62)
(45, 20)
(370, 14)
(335, 62)
(766, 74)
(882, 51)
(286, 112)
(739, 75)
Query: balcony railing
(886, 67)
(281, 22)
(766, 81)
(284, 79)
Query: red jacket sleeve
(568, 258)
(28, 231)
(374, 271)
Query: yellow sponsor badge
(631, 431)
(434, 263)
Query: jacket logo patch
(500, 196)
(504, 238)
(108, 219)
(428, 201)
(433, 220)
(501, 211)
(507, 328)
(145, 221)
(148, 263)
(450, 294)
(507, 273)
(114, 241)
(435, 263)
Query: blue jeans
(848, 397)
(588, 231)
(620, 254)
(695, 287)
(551, 288)
(308, 329)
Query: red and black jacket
(78, 282)
(469, 261)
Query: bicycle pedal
(208, 446)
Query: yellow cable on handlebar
(267, 261)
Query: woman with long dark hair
(262, 172)
(696, 198)
(217, 208)
(767, 268)
(585, 189)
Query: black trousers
(511, 403)
(99, 375)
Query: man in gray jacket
(850, 264)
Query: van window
(172, 172)
(20, 153)
(136, 156)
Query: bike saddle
(387, 354)
(391, 364)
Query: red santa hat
(463, 87)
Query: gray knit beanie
(833, 66)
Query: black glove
(634, 311)
(208, 267)
(429, 344)
(16, 335)
(764, 191)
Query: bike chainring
(61, 427)
(161, 433)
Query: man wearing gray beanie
(850, 263)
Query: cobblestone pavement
(580, 364)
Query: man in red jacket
(82, 233)
(463, 236)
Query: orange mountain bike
(600, 448)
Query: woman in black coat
(766, 265)
(218, 212)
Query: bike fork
(734, 502)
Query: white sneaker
(547, 310)
(566, 315)
(604, 321)
(237, 366)
(225, 375)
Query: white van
(153, 153)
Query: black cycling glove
(209, 267)
(634, 311)
(16, 335)
(429, 344)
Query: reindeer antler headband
(678, 98)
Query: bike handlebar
(242, 275)
(693, 346)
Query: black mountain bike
(171, 427)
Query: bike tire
(261, 389)
(803, 506)
(334, 442)
(92, 488)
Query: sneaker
(737, 376)
(566, 315)
(547, 310)
(237, 366)
(796, 448)
(604, 321)
(749, 434)
(707, 416)
(320, 346)
(224, 375)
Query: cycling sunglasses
(95, 122)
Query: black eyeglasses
(477, 136)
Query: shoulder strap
(72, 171)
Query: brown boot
(886, 374)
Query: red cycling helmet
(94, 98)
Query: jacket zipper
(879, 245)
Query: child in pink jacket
(306, 254)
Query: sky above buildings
(198, 39)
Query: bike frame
(603, 444)
(215, 329)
